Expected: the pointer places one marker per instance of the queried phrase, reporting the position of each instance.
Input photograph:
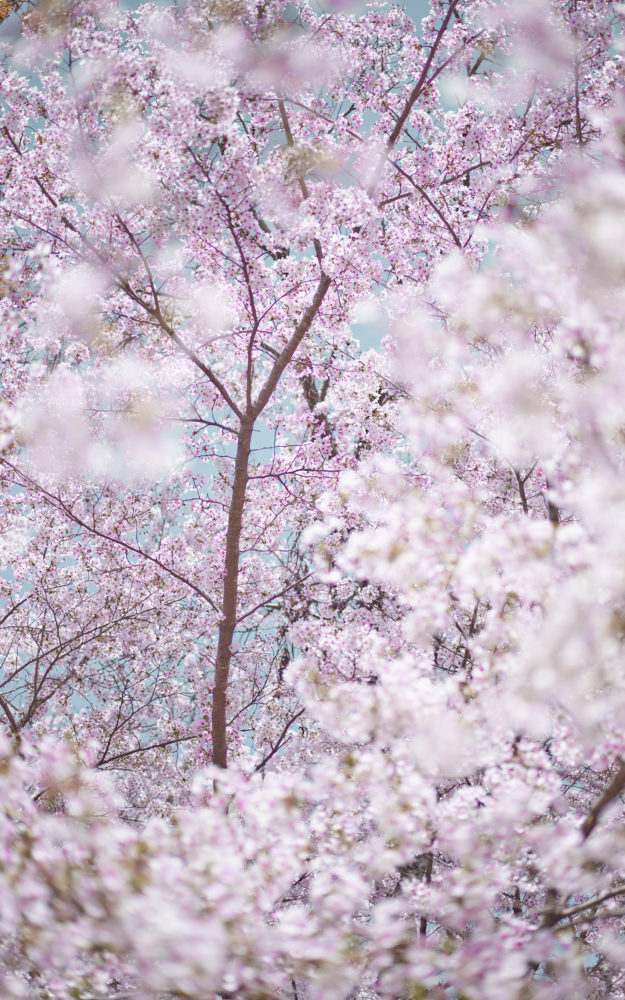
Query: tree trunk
(231, 585)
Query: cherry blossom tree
(311, 679)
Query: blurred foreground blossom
(112, 425)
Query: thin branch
(571, 911)
(280, 741)
(286, 355)
(302, 183)
(273, 597)
(612, 792)
(4, 705)
(14, 608)
(58, 505)
(430, 202)
(155, 313)
(143, 749)
(420, 84)
(412, 99)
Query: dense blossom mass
(312, 674)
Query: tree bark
(228, 621)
